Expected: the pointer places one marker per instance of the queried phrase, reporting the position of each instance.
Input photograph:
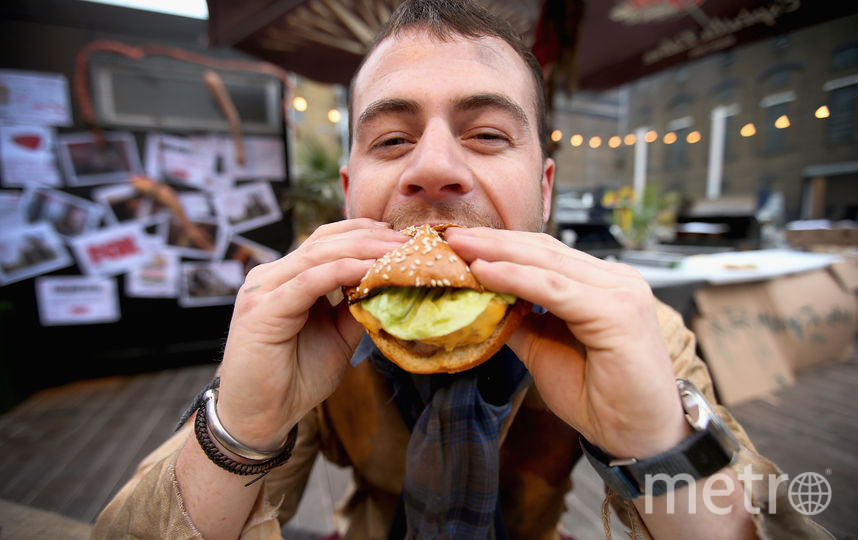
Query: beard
(459, 211)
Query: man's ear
(547, 188)
(344, 183)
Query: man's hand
(288, 347)
(598, 357)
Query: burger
(425, 310)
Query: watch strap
(697, 456)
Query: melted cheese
(476, 332)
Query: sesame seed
(446, 282)
(385, 276)
(429, 263)
(432, 282)
(365, 290)
(438, 257)
(451, 258)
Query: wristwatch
(707, 450)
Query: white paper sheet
(158, 274)
(265, 159)
(111, 251)
(10, 210)
(29, 97)
(65, 300)
(27, 156)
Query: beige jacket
(537, 455)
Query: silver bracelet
(229, 443)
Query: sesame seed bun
(428, 261)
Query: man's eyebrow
(385, 106)
(493, 101)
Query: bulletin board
(123, 239)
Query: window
(775, 137)
(845, 57)
(841, 123)
(677, 152)
(731, 137)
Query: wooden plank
(158, 426)
(55, 430)
(104, 453)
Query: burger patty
(417, 347)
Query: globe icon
(809, 493)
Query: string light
(299, 103)
(822, 112)
(334, 116)
(671, 137)
(748, 130)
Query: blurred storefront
(775, 117)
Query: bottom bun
(457, 359)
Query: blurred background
(150, 155)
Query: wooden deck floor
(69, 449)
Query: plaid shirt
(452, 463)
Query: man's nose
(437, 170)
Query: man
(448, 125)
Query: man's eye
(491, 140)
(391, 141)
(490, 137)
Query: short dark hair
(443, 19)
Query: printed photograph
(248, 206)
(123, 202)
(195, 238)
(69, 215)
(88, 162)
(30, 251)
(249, 253)
(210, 283)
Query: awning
(618, 40)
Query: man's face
(446, 132)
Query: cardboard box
(742, 354)
(814, 317)
(846, 273)
(756, 336)
(807, 238)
